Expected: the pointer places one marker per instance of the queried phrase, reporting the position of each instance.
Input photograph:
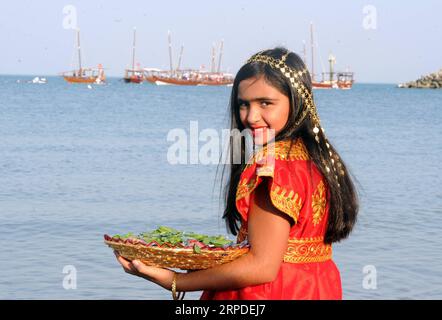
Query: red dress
(298, 189)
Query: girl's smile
(258, 130)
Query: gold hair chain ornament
(294, 77)
(297, 85)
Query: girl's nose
(253, 116)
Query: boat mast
(220, 55)
(170, 51)
(212, 69)
(133, 49)
(313, 50)
(79, 51)
(179, 59)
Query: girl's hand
(162, 277)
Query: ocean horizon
(116, 77)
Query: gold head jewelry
(308, 104)
(298, 86)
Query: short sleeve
(285, 173)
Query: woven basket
(179, 258)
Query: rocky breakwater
(433, 81)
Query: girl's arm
(268, 232)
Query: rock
(432, 80)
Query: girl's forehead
(252, 87)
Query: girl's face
(262, 107)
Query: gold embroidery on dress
(289, 203)
(318, 203)
(305, 250)
(283, 150)
(245, 188)
(300, 250)
(291, 151)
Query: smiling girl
(290, 207)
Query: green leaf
(196, 248)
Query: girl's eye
(242, 105)
(265, 103)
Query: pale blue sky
(406, 43)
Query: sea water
(77, 162)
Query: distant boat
(34, 80)
(133, 75)
(84, 75)
(177, 77)
(343, 80)
(38, 80)
(216, 79)
(189, 77)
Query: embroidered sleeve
(319, 203)
(285, 170)
(286, 190)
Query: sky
(381, 41)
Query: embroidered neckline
(286, 149)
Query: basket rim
(190, 250)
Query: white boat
(38, 80)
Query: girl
(292, 200)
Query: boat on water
(84, 75)
(133, 75)
(176, 77)
(330, 79)
(216, 79)
(38, 80)
(189, 77)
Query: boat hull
(338, 85)
(179, 82)
(150, 79)
(321, 85)
(344, 85)
(72, 79)
(133, 80)
(183, 82)
(215, 83)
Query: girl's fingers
(127, 266)
(142, 269)
(160, 276)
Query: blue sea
(79, 162)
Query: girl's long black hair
(343, 199)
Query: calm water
(77, 163)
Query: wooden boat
(177, 77)
(84, 75)
(343, 80)
(217, 79)
(150, 74)
(134, 75)
(188, 77)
